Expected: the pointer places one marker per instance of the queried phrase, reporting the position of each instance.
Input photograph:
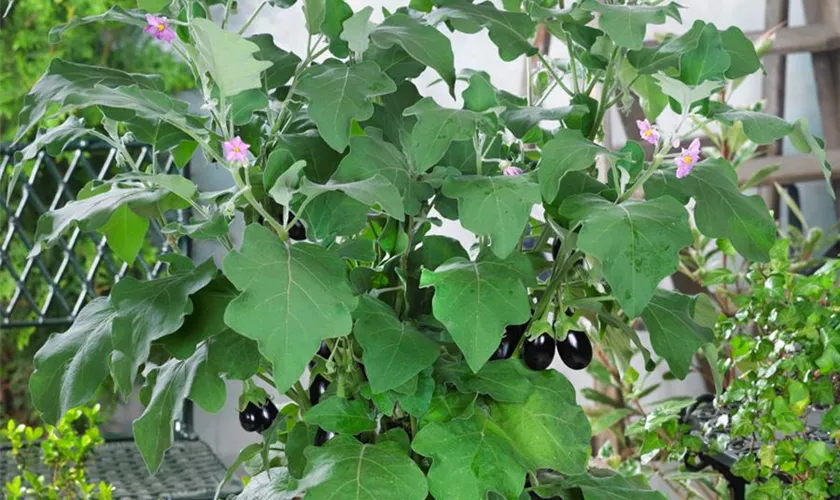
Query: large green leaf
(357, 30)
(147, 311)
(346, 468)
(684, 95)
(135, 17)
(510, 31)
(480, 95)
(637, 242)
(566, 152)
(274, 484)
(666, 55)
(503, 380)
(435, 130)
(549, 429)
(320, 215)
(370, 156)
(54, 140)
(721, 210)
(394, 351)
(283, 63)
(805, 142)
(96, 207)
(471, 457)
(228, 58)
(498, 207)
(420, 388)
(63, 80)
(395, 62)
(421, 41)
(159, 134)
(204, 321)
(707, 61)
(292, 298)
(343, 416)
(125, 233)
(447, 405)
(476, 300)
(321, 160)
(388, 117)
(602, 484)
(626, 25)
(521, 119)
(173, 382)
(743, 59)
(341, 93)
(314, 11)
(375, 190)
(71, 366)
(760, 128)
(674, 334)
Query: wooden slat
(810, 38)
(794, 168)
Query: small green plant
(58, 472)
(784, 366)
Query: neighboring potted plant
(427, 361)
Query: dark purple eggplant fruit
(322, 436)
(539, 353)
(575, 350)
(256, 418)
(317, 388)
(513, 334)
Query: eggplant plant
(425, 361)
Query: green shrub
(63, 451)
(27, 50)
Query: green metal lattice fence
(50, 289)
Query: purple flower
(510, 170)
(647, 132)
(236, 151)
(688, 159)
(159, 28)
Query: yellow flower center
(648, 132)
(236, 149)
(688, 160)
(161, 27)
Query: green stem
(300, 210)
(402, 305)
(246, 192)
(546, 94)
(605, 92)
(252, 17)
(572, 64)
(478, 153)
(227, 13)
(310, 56)
(657, 160)
(554, 74)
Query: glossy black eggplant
(539, 353)
(575, 350)
(513, 334)
(317, 388)
(255, 418)
(555, 248)
(322, 436)
(297, 232)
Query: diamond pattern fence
(49, 290)
(52, 288)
